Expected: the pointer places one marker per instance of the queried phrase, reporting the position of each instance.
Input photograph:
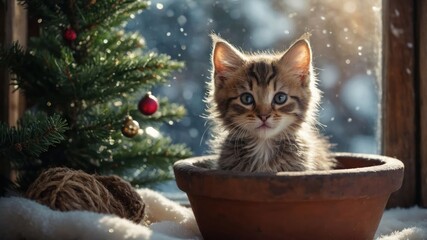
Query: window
(346, 41)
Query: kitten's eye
(280, 98)
(247, 99)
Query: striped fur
(264, 108)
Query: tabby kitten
(264, 107)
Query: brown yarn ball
(66, 189)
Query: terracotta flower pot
(345, 203)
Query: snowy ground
(21, 218)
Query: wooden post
(422, 81)
(398, 99)
(15, 29)
(4, 86)
(13, 25)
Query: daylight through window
(346, 42)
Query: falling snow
(345, 60)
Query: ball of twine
(65, 190)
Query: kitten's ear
(298, 60)
(225, 59)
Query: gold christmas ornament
(130, 127)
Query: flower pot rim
(379, 175)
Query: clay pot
(345, 203)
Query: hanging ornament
(130, 127)
(70, 34)
(148, 105)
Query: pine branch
(37, 75)
(146, 150)
(108, 13)
(148, 161)
(34, 135)
(83, 14)
(21, 146)
(108, 78)
(118, 42)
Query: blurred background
(346, 42)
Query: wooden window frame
(403, 96)
(404, 90)
(422, 86)
(13, 27)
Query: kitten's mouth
(263, 126)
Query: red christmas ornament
(148, 105)
(70, 34)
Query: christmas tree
(88, 85)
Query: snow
(25, 219)
(21, 218)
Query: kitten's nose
(264, 117)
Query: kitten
(265, 106)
